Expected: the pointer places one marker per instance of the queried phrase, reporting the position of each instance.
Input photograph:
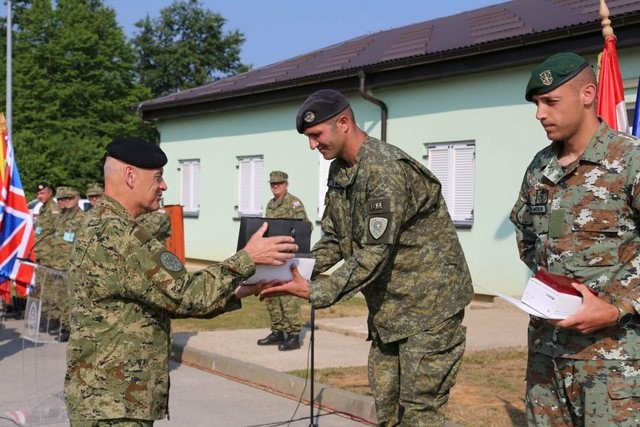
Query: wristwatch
(625, 315)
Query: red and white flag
(16, 224)
(611, 106)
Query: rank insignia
(377, 226)
(309, 117)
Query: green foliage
(185, 47)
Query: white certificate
(282, 273)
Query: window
(190, 187)
(251, 183)
(454, 165)
(323, 175)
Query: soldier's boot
(54, 327)
(291, 343)
(275, 337)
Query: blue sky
(279, 29)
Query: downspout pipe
(383, 107)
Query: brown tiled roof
(514, 32)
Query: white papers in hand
(282, 273)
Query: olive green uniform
(44, 229)
(125, 288)
(582, 221)
(284, 311)
(386, 218)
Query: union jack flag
(16, 223)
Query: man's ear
(589, 93)
(129, 175)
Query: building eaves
(491, 37)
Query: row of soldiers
(56, 226)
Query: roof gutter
(383, 107)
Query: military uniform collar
(595, 152)
(347, 175)
(114, 206)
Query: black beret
(319, 107)
(554, 72)
(41, 186)
(137, 152)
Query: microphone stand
(311, 374)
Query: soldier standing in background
(44, 224)
(94, 192)
(284, 311)
(386, 218)
(126, 288)
(67, 226)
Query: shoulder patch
(171, 262)
(141, 234)
(296, 203)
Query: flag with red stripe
(16, 223)
(611, 106)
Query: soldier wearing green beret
(578, 215)
(284, 311)
(44, 224)
(126, 287)
(386, 218)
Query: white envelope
(282, 272)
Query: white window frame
(190, 186)
(323, 176)
(453, 163)
(251, 185)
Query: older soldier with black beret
(385, 217)
(126, 287)
(578, 215)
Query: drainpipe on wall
(378, 102)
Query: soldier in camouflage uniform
(44, 224)
(284, 311)
(126, 287)
(67, 226)
(94, 193)
(385, 217)
(157, 223)
(577, 215)
(44, 228)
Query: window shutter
(251, 186)
(464, 182)
(439, 165)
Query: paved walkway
(338, 343)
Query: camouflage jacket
(125, 288)
(44, 227)
(387, 219)
(582, 221)
(157, 223)
(289, 207)
(67, 226)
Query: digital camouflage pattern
(125, 288)
(44, 227)
(582, 221)
(157, 223)
(284, 311)
(387, 219)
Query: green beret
(94, 189)
(65, 191)
(137, 152)
(554, 72)
(278, 176)
(319, 107)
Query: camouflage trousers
(120, 422)
(569, 392)
(285, 314)
(411, 378)
(55, 297)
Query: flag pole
(605, 22)
(9, 109)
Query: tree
(74, 89)
(185, 47)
